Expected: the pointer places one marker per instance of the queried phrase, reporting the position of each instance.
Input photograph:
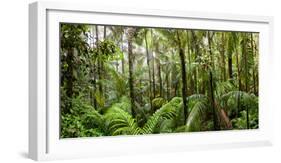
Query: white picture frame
(44, 141)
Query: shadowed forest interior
(117, 80)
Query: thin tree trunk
(191, 82)
(230, 66)
(149, 70)
(153, 78)
(245, 62)
(167, 80)
(104, 32)
(104, 73)
(98, 62)
(216, 127)
(123, 60)
(246, 73)
(183, 74)
(69, 77)
(210, 48)
(229, 56)
(211, 84)
(253, 49)
(93, 99)
(196, 51)
(238, 69)
(153, 71)
(223, 56)
(159, 71)
(130, 35)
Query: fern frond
(196, 115)
(120, 122)
(168, 111)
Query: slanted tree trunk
(130, 36)
(183, 75)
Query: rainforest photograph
(130, 80)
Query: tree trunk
(69, 78)
(223, 56)
(245, 62)
(159, 71)
(104, 32)
(93, 99)
(191, 81)
(216, 127)
(123, 60)
(153, 71)
(253, 49)
(211, 90)
(246, 73)
(149, 70)
(130, 36)
(210, 48)
(238, 69)
(229, 56)
(196, 51)
(183, 75)
(98, 62)
(230, 66)
(167, 80)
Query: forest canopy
(118, 80)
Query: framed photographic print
(109, 81)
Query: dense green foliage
(131, 81)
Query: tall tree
(195, 48)
(148, 65)
(222, 58)
(130, 35)
(153, 66)
(183, 74)
(99, 63)
(93, 73)
(229, 54)
(158, 65)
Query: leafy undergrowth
(85, 121)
